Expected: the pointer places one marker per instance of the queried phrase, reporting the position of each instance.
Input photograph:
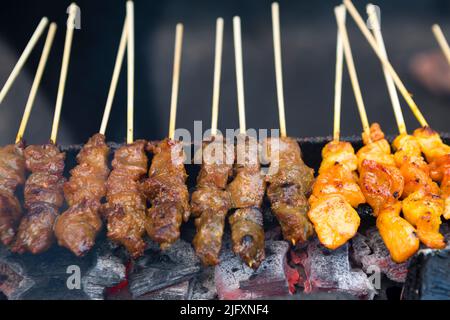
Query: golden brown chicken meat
(43, 198)
(12, 174)
(77, 228)
(126, 204)
(247, 193)
(335, 194)
(422, 204)
(437, 154)
(382, 185)
(289, 183)
(167, 191)
(210, 202)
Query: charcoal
(235, 280)
(428, 276)
(204, 286)
(13, 282)
(161, 269)
(179, 291)
(330, 271)
(370, 251)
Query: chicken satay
(247, 193)
(210, 201)
(422, 204)
(43, 198)
(167, 191)
(77, 228)
(335, 194)
(382, 185)
(126, 204)
(289, 183)
(12, 174)
(437, 154)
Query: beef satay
(126, 204)
(43, 198)
(247, 192)
(210, 201)
(167, 192)
(77, 228)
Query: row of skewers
(402, 188)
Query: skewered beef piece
(210, 202)
(43, 198)
(290, 182)
(382, 184)
(77, 228)
(247, 192)
(335, 195)
(422, 204)
(167, 191)
(126, 204)
(438, 157)
(12, 174)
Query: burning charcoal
(179, 291)
(428, 276)
(370, 252)
(161, 269)
(107, 272)
(13, 282)
(204, 286)
(235, 280)
(328, 270)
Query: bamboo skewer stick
(115, 77)
(339, 13)
(376, 29)
(130, 71)
(24, 57)
(373, 43)
(338, 86)
(64, 68)
(175, 79)
(36, 81)
(437, 31)
(278, 66)
(217, 74)
(239, 73)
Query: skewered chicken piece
(167, 191)
(437, 154)
(210, 202)
(289, 183)
(77, 228)
(12, 174)
(382, 185)
(247, 193)
(422, 204)
(43, 198)
(335, 194)
(125, 207)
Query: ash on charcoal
(370, 251)
(428, 276)
(235, 280)
(161, 269)
(330, 270)
(13, 282)
(203, 286)
(179, 291)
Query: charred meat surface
(43, 198)
(167, 191)
(12, 174)
(77, 228)
(290, 182)
(247, 192)
(126, 204)
(210, 201)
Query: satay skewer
(239, 72)
(217, 74)
(130, 71)
(24, 57)
(338, 87)
(437, 31)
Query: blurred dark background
(308, 43)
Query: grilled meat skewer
(77, 228)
